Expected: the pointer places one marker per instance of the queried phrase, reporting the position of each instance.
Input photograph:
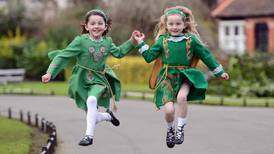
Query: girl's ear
(86, 27)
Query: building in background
(245, 25)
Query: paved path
(211, 129)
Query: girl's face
(96, 26)
(175, 24)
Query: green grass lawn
(60, 88)
(15, 137)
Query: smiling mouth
(96, 31)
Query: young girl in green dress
(176, 50)
(92, 83)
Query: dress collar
(177, 38)
(93, 40)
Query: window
(236, 30)
(226, 30)
(231, 36)
(261, 36)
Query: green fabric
(90, 70)
(140, 45)
(175, 11)
(194, 76)
(176, 56)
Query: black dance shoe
(113, 120)
(170, 138)
(86, 141)
(179, 135)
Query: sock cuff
(181, 121)
(170, 124)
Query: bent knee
(91, 99)
(182, 99)
(169, 109)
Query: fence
(42, 124)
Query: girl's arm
(61, 57)
(121, 50)
(204, 54)
(152, 53)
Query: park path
(210, 130)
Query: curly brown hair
(107, 19)
(188, 20)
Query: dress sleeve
(204, 54)
(122, 50)
(60, 58)
(153, 52)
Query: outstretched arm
(123, 49)
(60, 58)
(149, 54)
(204, 54)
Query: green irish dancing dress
(177, 53)
(90, 76)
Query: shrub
(250, 75)
(131, 69)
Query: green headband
(98, 11)
(175, 11)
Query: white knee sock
(181, 121)
(170, 125)
(91, 115)
(102, 116)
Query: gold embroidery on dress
(188, 45)
(89, 75)
(103, 50)
(96, 55)
(165, 45)
(164, 100)
(166, 83)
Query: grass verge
(17, 137)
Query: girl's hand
(46, 78)
(132, 39)
(225, 76)
(139, 37)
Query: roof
(244, 8)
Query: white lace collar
(178, 38)
(92, 39)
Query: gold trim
(114, 107)
(165, 45)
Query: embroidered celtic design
(165, 45)
(188, 46)
(96, 55)
(89, 76)
(103, 49)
